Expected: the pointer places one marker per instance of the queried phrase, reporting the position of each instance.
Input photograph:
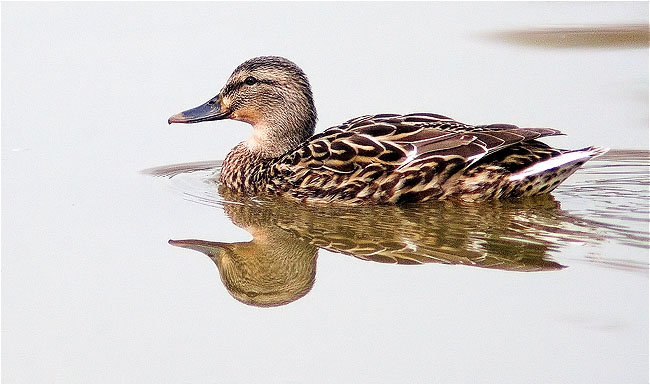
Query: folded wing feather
(404, 140)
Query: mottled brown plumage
(383, 158)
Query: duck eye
(250, 80)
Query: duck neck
(280, 132)
(246, 167)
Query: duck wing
(405, 141)
(382, 156)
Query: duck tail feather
(575, 158)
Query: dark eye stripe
(230, 88)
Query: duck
(380, 159)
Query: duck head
(273, 95)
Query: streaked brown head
(272, 94)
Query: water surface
(552, 289)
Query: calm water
(552, 289)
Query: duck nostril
(213, 101)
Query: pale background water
(92, 292)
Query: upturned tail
(545, 176)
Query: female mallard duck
(383, 158)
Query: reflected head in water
(261, 272)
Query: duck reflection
(273, 269)
(279, 265)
